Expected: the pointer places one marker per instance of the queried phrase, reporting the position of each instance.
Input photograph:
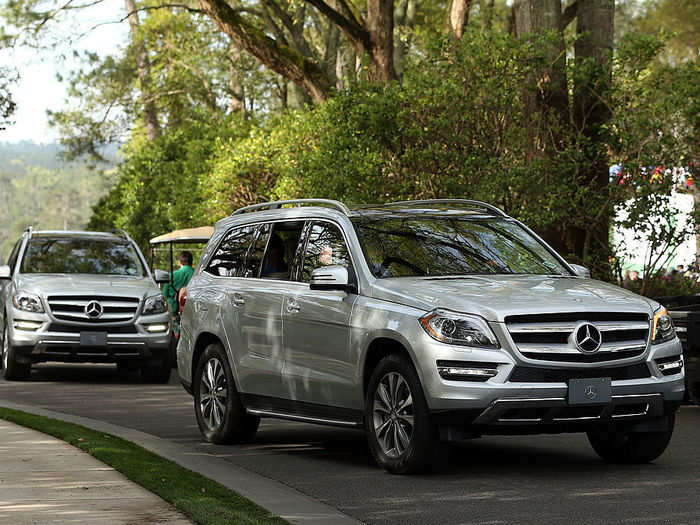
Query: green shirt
(180, 278)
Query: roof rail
(296, 202)
(462, 202)
(28, 232)
(120, 232)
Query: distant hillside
(39, 189)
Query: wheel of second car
(221, 417)
(401, 435)
(11, 369)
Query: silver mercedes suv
(82, 297)
(423, 322)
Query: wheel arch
(204, 339)
(380, 347)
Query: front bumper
(53, 341)
(522, 396)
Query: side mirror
(331, 278)
(581, 271)
(161, 276)
(5, 272)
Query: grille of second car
(114, 309)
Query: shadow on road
(82, 373)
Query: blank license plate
(93, 338)
(596, 391)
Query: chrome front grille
(73, 308)
(548, 337)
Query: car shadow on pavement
(82, 373)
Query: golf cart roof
(188, 235)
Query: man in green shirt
(179, 279)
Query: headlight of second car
(458, 329)
(28, 302)
(663, 329)
(155, 305)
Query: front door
(319, 366)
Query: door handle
(292, 306)
(238, 300)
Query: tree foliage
(524, 104)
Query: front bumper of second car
(37, 338)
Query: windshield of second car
(396, 246)
(88, 256)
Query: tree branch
(354, 31)
(277, 57)
(569, 14)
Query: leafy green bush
(162, 183)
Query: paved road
(525, 479)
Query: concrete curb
(274, 496)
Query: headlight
(155, 305)
(28, 302)
(458, 329)
(663, 329)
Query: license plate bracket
(98, 339)
(594, 391)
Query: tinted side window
(281, 256)
(325, 247)
(255, 254)
(229, 257)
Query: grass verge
(204, 501)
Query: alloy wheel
(393, 414)
(213, 393)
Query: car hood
(496, 297)
(79, 284)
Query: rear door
(249, 314)
(320, 367)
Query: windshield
(66, 255)
(442, 246)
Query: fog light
(157, 328)
(670, 367)
(32, 326)
(466, 370)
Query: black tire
(222, 419)
(11, 369)
(621, 446)
(388, 419)
(159, 373)
(693, 391)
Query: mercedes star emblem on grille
(587, 338)
(93, 310)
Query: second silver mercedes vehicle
(421, 322)
(90, 297)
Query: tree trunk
(545, 97)
(548, 90)
(457, 17)
(593, 51)
(277, 57)
(404, 15)
(143, 67)
(237, 92)
(380, 24)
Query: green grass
(204, 501)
